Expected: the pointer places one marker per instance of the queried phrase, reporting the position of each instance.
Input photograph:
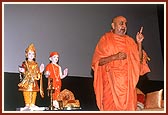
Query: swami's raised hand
(139, 36)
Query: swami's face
(119, 25)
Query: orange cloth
(29, 97)
(55, 75)
(115, 82)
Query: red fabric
(115, 82)
(141, 98)
(53, 53)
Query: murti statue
(54, 71)
(31, 73)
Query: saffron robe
(115, 82)
(55, 75)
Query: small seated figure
(31, 73)
(54, 71)
(68, 99)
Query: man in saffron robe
(118, 61)
(54, 71)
